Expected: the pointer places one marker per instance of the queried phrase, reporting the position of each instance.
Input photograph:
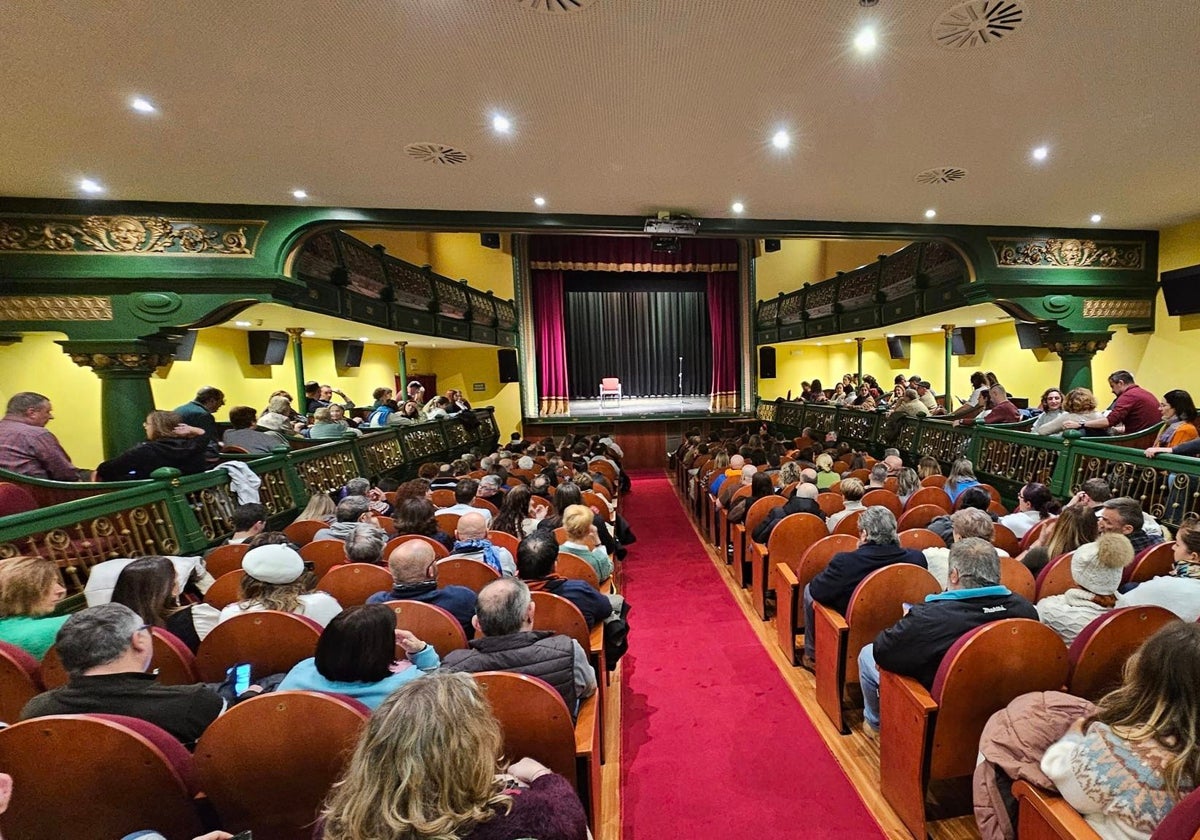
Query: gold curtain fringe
(554, 405)
(658, 268)
(725, 401)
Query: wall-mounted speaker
(183, 352)
(1029, 336)
(766, 362)
(962, 342)
(489, 240)
(347, 354)
(772, 245)
(1181, 290)
(267, 347)
(899, 346)
(507, 360)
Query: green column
(1076, 351)
(948, 334)
(402, 369)
(859, 341)
(125, 397)
(298, 362)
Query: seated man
(1095, 491)
(731, 486)
(491, 489)
(1135, 408)
(914, 645)
(349, 512)
(248, 522)
(243, 435)
(926, 396)
(852, 493)
(735, 469)
(878, 546)
(965, 522)
(804, 500)
(1003, 409)
(893, 461)
(414, 569)
(508, 642)
(973, 497)
(471, 542)
(27, 446)
(1123, 515)
(465, 492)
(878, 477)
(107, 650)
(365, 544)
(536, 556)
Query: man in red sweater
(1135, 408)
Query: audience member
(415, 515)
(1002, 408)
(961, 476)
(517, 516)
(804, 500)
(1034, 503)
(324, 426)
(30, 589)
(248, 520)
(927, 467)
(1096, 568)
(852, 493)
(1051, 405)
(365, 543)
(907, 483)
(465, 492)
(471, 543)
(273, 581)
(967, 521)
(731, 486)
(243, 435)
(1178, 591)
(826, 477)
(1135, 408)
(1179, 422)
(761, 487)
(413, 565)
(150, 587)
(583, 540)
(199, 412)
(320, 508)
(27, 447)
(1074, 527)
(1123, 515)
(170, 443)
(1079, 408)
(350, 512)
(536, 558)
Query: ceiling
(618, 107)
(278, 317)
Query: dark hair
(416, 516)
(147, 586)
(513, 511)
(761, 486)
(975, 497)
(270, 538)
(1181, 401)
(1121, 376)
(568, 493)
(1097, 489)
(465, 490)
(978, 380)
(242, 416)
(536, 555)
(245, 516)
(359, 645)
(1048, 392)
(1040, 499)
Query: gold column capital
(296, 332)
(947, 328)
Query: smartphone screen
(245, 835)
(241, 677)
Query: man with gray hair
(1123, 515)
(730, 487)
(350, 512)
(107, 650)
(364, 544)
(914, 645)
(804, 500)
(967, 522)
(878, 546)
(27, 447)
(508, 642)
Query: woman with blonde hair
(30, 588)
(583, 540)
(927, 466)
(826, 477)
(320, 508)
(960, 477)
(1079, 405)
(275, 579)
(426, 766)
(1075, 526)
(169, 443)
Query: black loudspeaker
(963, 342)
(507, 360)
(1181, 290)
(267, 347)
(1029, 336)
(347, 354)
(772, 245)
(183, 353)
(766, 362)
(489, 240)
(899, 346)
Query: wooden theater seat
(885, 498)
(992, 491)
(931, 735)
(484, 504)
(430, 624)
(1055, 577)
(875, 605)
(101, 776)
(271, 641)
(1099, 652)
(848, 525)
(225, 559)
(443, 498)
(1152, 562)
(505, 540)
(267, 764)
(20, 681)
(576, 568)
(302, 532)
(172, 659)
(830, 503)
(724, 531)
(353, 583)
(919, 516)
(225, 590)
(743, 539)
(1004, 539)
(789, 539)
(920, 539)
(448, 522)
(934, 481)
(789, 587)
(1031, 536)
(1016, 576)
(1043, 816)
(462, 571)
(439, 550)
(324, 555)
(930, 495)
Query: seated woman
(1034, 503)
(761, 487)
(1179, 422)
(1075, 526)
(907, 483)
(435, 409)
(961, 476)
(243, 434)
(320, 508)
(427, 765)
(1096, 568)
(1126, 765)
(356, 657)
(583, 540)
(1079, 405)
(150, 587)
(517, 516)
(30, 587)
(417, 515)
(408, 414)
(169, 443)
(1178, 590)
(275, 580)
(928, 466)
(324, 427)
(1051, 405)
(826, 477)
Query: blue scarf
(489, 552)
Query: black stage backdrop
(635, 326)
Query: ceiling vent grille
(555, 7)
(941, 175)
(978, 23)
(436, 153)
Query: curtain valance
(630, 253)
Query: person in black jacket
(914, 645)
(170, 443)
(536, 556)
(878, 546)
(804, 500)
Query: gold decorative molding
(1077, 346)
(56, 308)
(1100, 308)
(104, 362)
(1068, 253)
(129, 235)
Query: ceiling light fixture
(781, 140)
(501, 124)
(299, 194)
(891, 335)
(981, 320)
(243, 324)
(865, 41)
(363, 338)
(1040, 153)
(539, 201)
(142, 106)
(1096, 217)
(310, 332)
(930, 213)
(90, 186)
(738, 207)
(935, 329)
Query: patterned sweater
(1117, 785)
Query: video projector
(672, 227)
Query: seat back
(462, 571)
(848, 525)
(1016, 576)
(302, 531)
(172, 659)
(225, 559)
(885, 498)
(448, 522)
(819, 554)
(271, 641)
(759, 510)
(484, 504)
(554, 612)
(793, 536)
(439, 550)
(324, 555)
(52, 672)
(443, 498)
(353, 583)
(533, 718)
(863, 475)
(15, 499)
(997, 509)
(95, 776)
(982, 673)
(1033, 533)
(225, 590)
(560, 535)
(878, 602)
(597, 503)
(430, 624)
(919, 516)
(930, 495)
(831, 503)
(920, 539)
(1005, 539)
(576, 568)
(934, 481)
(503, 539)
(268, 763)
(610, 384)
(1055, 577)
(20, 681)
(1182, 822)
(1152, 562)
(1099, 652)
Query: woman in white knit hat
(1096, 568)
(274, 580)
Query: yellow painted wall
(408, 245)
(800, 261)
(461, 368)
(460, 256)
(847, 254)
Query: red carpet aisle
(714, 743)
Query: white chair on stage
(610, 386)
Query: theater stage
(639, 407)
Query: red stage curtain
(553, 387)
(723, 318)
(630, 253)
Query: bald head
(807, 491)
(748, 472)
(410, 562)
(808, 475)
(471, 526)
(737, 462)
(893, 463)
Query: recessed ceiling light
(849, 340)
(738, 207)
(243, 324)
(1096, 217)
(142, 106)
(781, 140)
(930, 213)
(363, 338)
(90, 186)
(501, 124)
(865, 41)
(539, 201)
(299, 194)
(891, 335)
(1040, 153)
(935, 329)
(310, 332)
(981, 320)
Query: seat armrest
(787, 605)
(830, 636)
(907, 716)
(1046, 817)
